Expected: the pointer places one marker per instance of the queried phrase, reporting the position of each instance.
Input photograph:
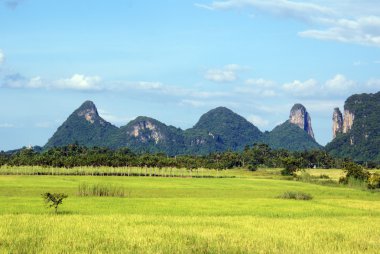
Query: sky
(175, 60)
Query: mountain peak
(89, 111)
(87, 105)
(300, 117)
(85, 127)
(298, 106)
(217, 116)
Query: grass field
(188, 215)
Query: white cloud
(35, 82)
(363, 30)
(260, 83)
(204, 6)
(339, 84)
(256, 91)
(342, 21)
(2, 57)
(79, 82)
(258, 121)
(302, 89)
(76, 82)
(193, 103)
(226, 74)
(293, 9)
(6, 125)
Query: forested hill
(218, 130)
(359, 137)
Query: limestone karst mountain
(360, 135)
(85, 127)
(294, 134)
(218, 130)
(300, 117)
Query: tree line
(252, 157)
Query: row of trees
(251, 158)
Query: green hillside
(362, 142)
(84, 127)
(290, 137)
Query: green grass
(187, 215)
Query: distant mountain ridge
(218, 130)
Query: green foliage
(77, 130)
(356, 175)
(355, 171)
(374, 181)
(291, 165)
(362, 142)
(251, 157)
(290, 137)
(297, 195)
(252, 167)
(54, 199)
(221, 129)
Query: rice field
(240, 214)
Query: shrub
(374, 181)
(297, 195)
(291, 165)
(54, 199)
(252, 167)
(355, 171)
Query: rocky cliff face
(348, 121)
(360, 138)
(300, 117)
(337, 122)
(146, 130)
(90, 113)
(342, 124)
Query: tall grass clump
(100, 190)
(297, 195)
(321, 179)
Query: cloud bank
(334, 21)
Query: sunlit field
(240, 214)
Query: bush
(291, 165)
(252, 167)
(100, 190)
(295, 195)
(54, 199)
(374, 181)
(355, 171)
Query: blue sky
(175, 60)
